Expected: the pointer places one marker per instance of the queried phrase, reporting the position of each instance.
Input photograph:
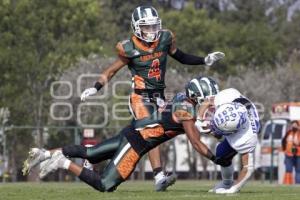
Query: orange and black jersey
(170, 118)
(180, 109)
(147, 63)
(174, 112)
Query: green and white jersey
(147, 63)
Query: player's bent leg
(244, 175)
(106, 149)
(227, 179)
(35, 157)
(225, 154)
(162, 180)
(106, 182)
(120, 167)
(148, 126)
(100, 152)
(59, 161)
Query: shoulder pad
(167, 36)
(126, 49)
(183, 110)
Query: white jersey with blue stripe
(245, 140)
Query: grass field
(133, 190)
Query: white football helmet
(227, 96)
(145, 23)
(229, 118)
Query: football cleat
(51, 165)
(219, 186)
(35, 156)
(163, 183)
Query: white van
(274, 130)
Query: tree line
(43, 41)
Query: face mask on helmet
(229, 118)
(150, 32)
(146, 24)
(201, 88)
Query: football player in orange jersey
(145, 53)
(126, 148)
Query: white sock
(47, 154)
(65, 163)
(227, 174)
(159, 176)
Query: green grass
(133, 190)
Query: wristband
(98, 85)
(213, 158)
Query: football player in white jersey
(236, 120)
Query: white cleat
(220, 186)
(231, 190)
(35, 156)
(166, 181)
(51, 165)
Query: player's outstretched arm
(194, 138)
(189, 59)
(104, 77)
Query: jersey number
(154, 71)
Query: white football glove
(88, 92)
(203, 126)
(213, 57)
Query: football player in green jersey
(126, 148)
(145, 53)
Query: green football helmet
(145, 23)
(198, 89)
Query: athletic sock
(227, 174)
(157, 170)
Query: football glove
(213, 57)
(88, 92)
(203, 126)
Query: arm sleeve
(187, 58)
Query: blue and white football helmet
(229, 118)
